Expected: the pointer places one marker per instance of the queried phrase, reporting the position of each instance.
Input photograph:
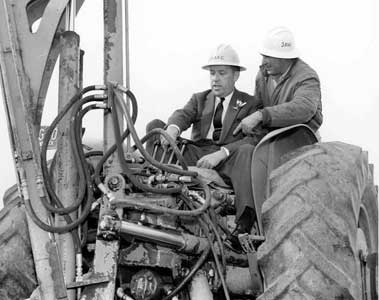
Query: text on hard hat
(285, 44)
(221, 57)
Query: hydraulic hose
(70, 224)
(211, 223)
(75, 133)
(45, 172)
(135, 181)
(124, 165)
(201, 261)
(77, 149)
(114, 146)
(160, 131)
(192, 272)
(30, 211)
(209, 218)
(217, 262)
(140, 147)
(46, 227)
(220, 273)
(76, 137)
(203, 223)
(165, 210)
(118, 146)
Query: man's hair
(235, 68)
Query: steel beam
(106, 254)
(18, 58)
(41, 52)
(65, 172)
(27, 60)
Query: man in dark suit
(214, 115)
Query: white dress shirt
(225, 105)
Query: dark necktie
(217, 120)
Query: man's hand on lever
(249, 123)
(173, 132)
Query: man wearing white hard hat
(214, 114)
(287, 88)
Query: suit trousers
(235, 170)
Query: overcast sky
(170, 40)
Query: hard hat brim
(294, 53)
(206, 67)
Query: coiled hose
(148, 157)
(45, 172)
(204, 220)
(82, 171)
(128, 172)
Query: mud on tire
(311, 221)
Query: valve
(146, 285)
(115, 183)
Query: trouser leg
(196, 150)
(237, 168)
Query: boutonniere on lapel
(239, 104)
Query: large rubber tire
(17, 273)
(311, 221)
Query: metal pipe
(126, 70)
(106, 257)
(72, 15)
(181, 241)
(148, 233)
(67, 17)
(66, 173)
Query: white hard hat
(224, 55)
(280, 43)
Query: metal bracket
(248, 243)
(27, 155)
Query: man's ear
(236, 75)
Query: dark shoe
(246, 220)
(233, 244)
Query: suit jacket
(199, 111)
(296, 99)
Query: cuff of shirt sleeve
(266, 118)
(226, 151)
(175, 126)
